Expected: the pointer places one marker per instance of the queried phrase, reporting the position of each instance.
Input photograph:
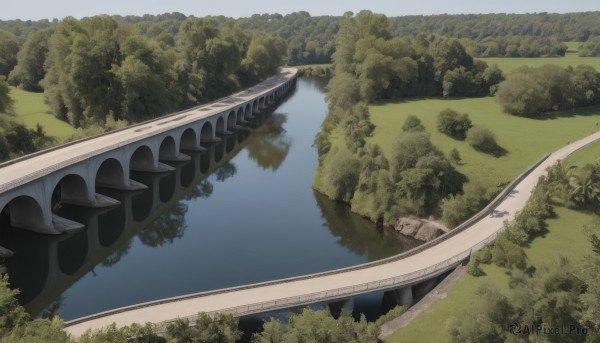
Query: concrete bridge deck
(69, 174)
(403, 270)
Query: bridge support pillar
(210, 140)
(159, 168)
(224, 132)
(97, 201)
(336, 308)
(402, 296)
(175, 158)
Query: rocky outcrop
(421, 229)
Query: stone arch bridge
(30, 186)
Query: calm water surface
(243, 212)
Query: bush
(455, 156)
(412, 124)
(507, 254)
(474, 269)
(482, 139)
(453, 124)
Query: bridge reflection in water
(45, 266)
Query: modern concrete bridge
(399, 272)
(29, 186)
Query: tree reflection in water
(203, 189)
(224, 172)
(359, 238)
(269, 146)
(165, 229)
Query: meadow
(509, 64)
(526, 140)
(30, 110)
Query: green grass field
(568, 235)
(525, 139)
(30, 110)
(508, 64)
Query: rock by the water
(420, 229)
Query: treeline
(535, 91)
(564, 26)
(516, 46)
(93, 68)
(310, 40)
(369, 65)
(591, 48)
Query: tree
(6, 103)
(221, 328)
(320, 326)
(585, 185)
(29, 70)
(412, 124)
(342, 176)
(453, 124)
(455, 156)
(8, 52)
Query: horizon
(35, 10)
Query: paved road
(16, 174)
(250, 295)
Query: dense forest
(101, 70)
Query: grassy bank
(31, 110)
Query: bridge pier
(159, 168)
(336, 308)
(401, 296)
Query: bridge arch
(24, 212)
(240, 115)
(168, 149)
(248, 111)
(221, 125)
(110, 173)
(142, 159)
(189, 139)
(231, 119)
(73, 189)
(206, 133)
(255, 106)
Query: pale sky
(49, 9)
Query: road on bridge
(277, 294)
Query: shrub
(412, 124)
(482, 139)
(455, 156)
(474, 269)
(453, 124)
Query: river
(250, 215)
